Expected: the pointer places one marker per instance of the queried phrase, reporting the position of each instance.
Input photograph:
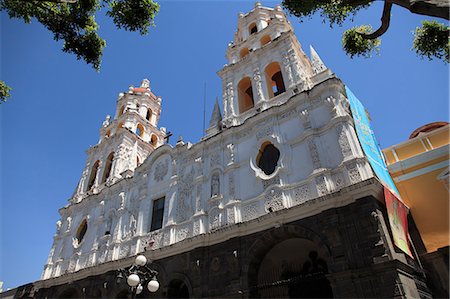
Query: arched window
(120, 125)
(137, 161)
(265, 40)
(121, 110)
(154, 140)
(93, 175)
(267, 158)
(245, 95)
(274, 78)
(81, 231)
(252, 28)
(149, 114)
(108, 133)
(140, 130)
(108, 166)
(244, 52)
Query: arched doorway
(177, 288)
(292, 268)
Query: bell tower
(125, 141)
(266, 64)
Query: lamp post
(137, 275)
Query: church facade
(276, 200)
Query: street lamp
(137, 275)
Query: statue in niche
(106, 121)
(58, 226)
(69, 223)
(215, 185)
(133, 225)
(122, 200)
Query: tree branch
(385, 21)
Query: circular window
(267, 158)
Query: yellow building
(420, 170)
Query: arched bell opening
(274, 79)
(245, 95)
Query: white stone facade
(215, 182)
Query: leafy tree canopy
(431, 40)
(73, 21)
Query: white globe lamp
(153, 285)
(133, 280)
(140, 260)
(139, 289)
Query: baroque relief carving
(196, 230)
(301, 194)
(321, 185)
(338, 181)
(314, 153)
(183, 233)
(230, 153)
(304, 116)
(230, 216)
(343, 143)
(273, 200)
(257, 80)
(272, 181)
(287, 68)
(185, 188)
(215, 185)
(231, 186)
(353, 173)
(250, 211)
(214, 219)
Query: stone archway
(289, 262)
(179, 287)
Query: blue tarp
(368, 142)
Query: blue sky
(59, 103)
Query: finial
(241, 15)
(180, 141)
(317, 63)
(257, 4)
(145, 83)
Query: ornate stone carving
(69, 223)
(298, 73)
(133, 225)
(161, 169)
(214, 219)
(314, 153)
(267, 131)
(215, 185)
(58, 226)
(301, 194)
(338, 181)
(231, 186)
(304, 116)
(343, 143)
(183, 233)
(198, 199)
(229, 109)
(196, 228)
(353, 173)
(250, 211)
(273, 200)
(257, 80)
(121, 200)
(106, 121)
(230, 216)
(166, 239)
(272, 181)
(230, 153)
(185, 188)
(287, 68)
(124, 251)
(321, 185)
